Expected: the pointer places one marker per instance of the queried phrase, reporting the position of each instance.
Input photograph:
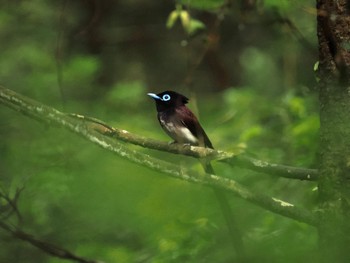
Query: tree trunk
(334, 90)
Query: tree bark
(333, 30)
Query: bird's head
(168, 99)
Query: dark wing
(190, 121)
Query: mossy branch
(50, 115)
(234, 159)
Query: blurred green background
(248, 67)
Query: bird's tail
(234, 232)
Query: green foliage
(184, 241)
(79, 72)
(82, 198)
(127, 92)
(98, 205)
(292, 121)
(282, 5)
(191, 25)
(204, 4)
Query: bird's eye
(166, 97)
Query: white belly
(181, 135)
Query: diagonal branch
(44, 246)
(53, 116)
(233, 159)
(11, 204)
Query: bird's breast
(176, 129)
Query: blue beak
(154, 96)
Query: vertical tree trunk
(333, 30)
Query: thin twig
(59, 50)
(11, 206)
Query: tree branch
(233, 159)
(51, 115)
(45, 246)
(11, 207)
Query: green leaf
(194, 26)
(172, 19)
(185, 20)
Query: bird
(178, 121)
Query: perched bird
(181, 124)
(178, 121)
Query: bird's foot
(180, 144)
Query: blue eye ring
(166, 97)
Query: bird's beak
(154, 96)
